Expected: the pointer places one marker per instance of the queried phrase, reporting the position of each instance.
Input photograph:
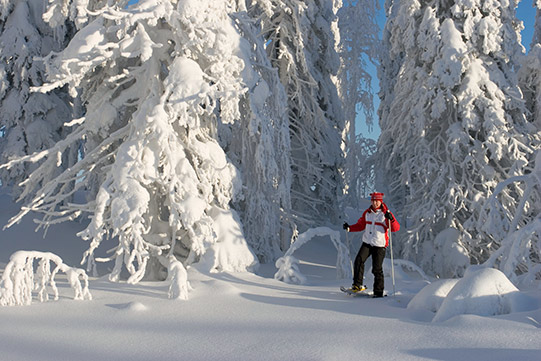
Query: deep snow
(244, 316)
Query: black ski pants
(378, 255)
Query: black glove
(346, 226)
(389, 216)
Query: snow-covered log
(20, 279)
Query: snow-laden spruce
(259, 145)
(155, 79)
(518, 231)
(453, 124)
(30, 121)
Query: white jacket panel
(375, 231)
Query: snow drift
(482, 292)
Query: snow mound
(134, 307)
(432, 296)
(483, 292)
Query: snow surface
(246, 316)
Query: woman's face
(376, 204)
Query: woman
(375, 221)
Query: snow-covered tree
(156, 80)
(357, 46)
(30, 121)
(515, 228)
(258, 144)
(300, 43)
(388, 73)
(454, 126)
(359, 172)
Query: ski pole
(392, 259)
(349, 253)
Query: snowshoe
(354, 290)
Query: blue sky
(526, 13)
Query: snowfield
(205, 128)
(246, 316)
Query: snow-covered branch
(515, 231)
(288, 268)
(20, 279)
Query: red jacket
(376, 226)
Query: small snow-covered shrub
(288, 271)
(179, 287)
(20, 279)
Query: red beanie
(376, 196)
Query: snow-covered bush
(20, 279)
(288, 270)
(230, 252)
(449, 256)
(288, 266)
